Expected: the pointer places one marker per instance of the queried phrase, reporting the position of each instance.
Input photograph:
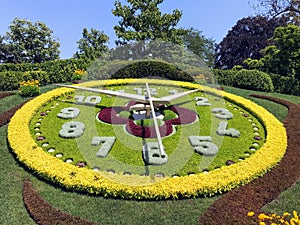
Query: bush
(286, 85)
(142, 69)
(39, 75)
(225, 77)
(101, 69)
(55, 71)
(29, 88)
(253, 80)
(10, 80)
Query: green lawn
(115, 211)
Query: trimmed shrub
(286, 85)
(101, 70)
(10, 80)
(39, 75)
(253, 80)
(225, 77)
(142, 69)
(54, 71)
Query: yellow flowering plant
(274, 219)
(143, 187)
(29, 88)
(78, 74)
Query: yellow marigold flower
(286, 214)
(295, 214)
(262, 223)
(263, 217)
(250, 214)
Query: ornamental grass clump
(29, 88)
(274, 219)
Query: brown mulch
(6, 116)
(45, 214)
(6, 94)
(232, 207)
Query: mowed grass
(115, 211)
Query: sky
(67, 18)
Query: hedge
(142, 69)
(48, 72)
(286, 85)
(253, 80)
(246, 79)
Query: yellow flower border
(105, 184)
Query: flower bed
(142, 187)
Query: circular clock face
(155, 130)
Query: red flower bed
(185, 116)
(148, 132)
(110, 115)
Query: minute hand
(139, 98)
(160, 145)
(179, 95)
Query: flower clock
(146, 139)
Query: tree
(92, 44)
(274, 8)
(200, 45)
(283, 57)
(245, 40)
(28, 42)
(142, 20)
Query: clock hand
(179, 95)
(160, 145)
(139, 98)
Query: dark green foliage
(101, 69)
(225, 77)
(39, 75)
(245, 40)
(10, 80)
(28, 42)
(92, 44)
(48, 72)
(253, 80)
(286, 85)
(200, 45)
(246, 79)
(142, 20)
(142, 69)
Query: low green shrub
(54, 71)
(286, 85)
(225, 77)
(142, 69)
(253, 80)
(29, 88)
(101, 69)
(41, 76)
(9, 80)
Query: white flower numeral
(203, 145)
(90, 100)
(152, 156)
(230, 132)
(201, 101)
(222, 113)
(68, 113)
(72, 130)
(106, 145)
